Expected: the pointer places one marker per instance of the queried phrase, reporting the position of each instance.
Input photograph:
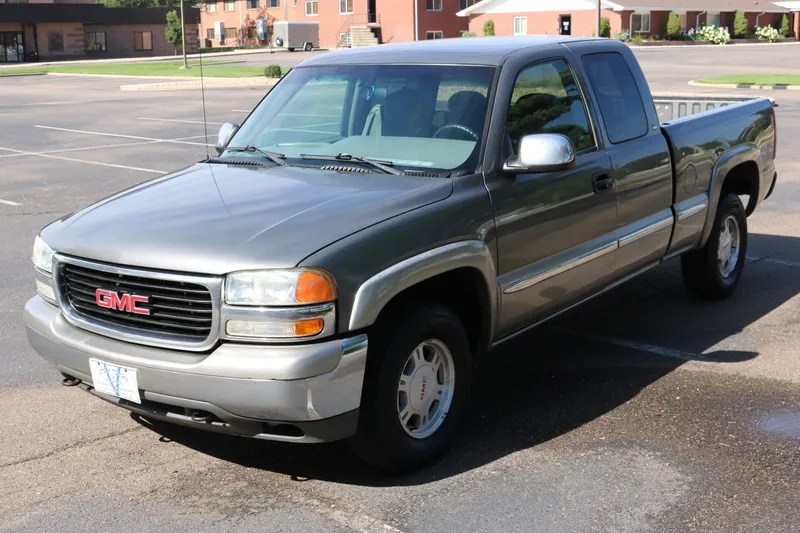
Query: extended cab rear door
(641, 168)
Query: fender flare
(375, 293)
(744, 153)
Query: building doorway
(565, 24)
(12, 49)
(372, 12)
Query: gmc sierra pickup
(381, 219)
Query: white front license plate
(119, 381)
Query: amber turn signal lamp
(314, 287)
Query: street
(642, 410)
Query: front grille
(176, 309)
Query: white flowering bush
(714, 35)
(767, 33)
(622, 35)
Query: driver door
(555, 229)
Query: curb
(208, 83)
(128, 76)
(23, 74)
(746, 86)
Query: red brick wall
(397, 25)
(445, 20)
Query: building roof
(456, 51)
(526, 6)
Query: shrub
(468, 34)
(767, 33)
(622, 35)
(488, 27)
(740, 28)
(714, 35)
(674, 28)
(273, 71)
(785, 25)
(605, 27)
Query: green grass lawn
(756, 79)
(149, 68)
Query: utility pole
(597, 25)
(183, 37)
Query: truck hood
(215, 219)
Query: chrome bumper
(249, 390)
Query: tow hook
(201, 416)
(70, 381)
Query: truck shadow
(561, 376)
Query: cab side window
(546, 99)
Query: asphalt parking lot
(644, 410)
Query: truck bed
(671, 106)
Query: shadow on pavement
(557, 378)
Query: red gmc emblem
(121, 302)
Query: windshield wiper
(383, 166)
(275, 157)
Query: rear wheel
(308, 47)
(415, 391)
(712, 272)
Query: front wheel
(415, 391)
(712, 272)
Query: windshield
(423, 117)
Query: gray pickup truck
(382, 219)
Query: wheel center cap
(421, 387)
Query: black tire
(381, 439)
(308, 47)
(291, 49)
(701, 270)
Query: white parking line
(180, 121)
(48, 156)
(105, 134)
(9, 202)
(633, 345)
(101, 147)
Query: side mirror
(542, 152)
(226, 133)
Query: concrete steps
(361, 36)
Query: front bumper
(298, 393)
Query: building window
(252, 4)
(55, 41)
(464, 4)
(274, 3)
(430, 35)
(96, 41)
(312, 7)
(345, 7)
(641, 23)
(210, 34)
(712, 19)
(211, 6)
(230, 5)
(520, 25)
(433, 5)
(142, 40)
(231, 33)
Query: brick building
(644, 17)
(341, 22)
(44, 30)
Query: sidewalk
(206, 57)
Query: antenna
(203, 96)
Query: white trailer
(293, 34)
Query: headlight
(279, 287)
(42, 255)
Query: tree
(674, 28)
(488, 27)
(148, 3)
(174, 31)
(740, 26)
(785, 25)
(605, 27)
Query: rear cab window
(617, 96)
